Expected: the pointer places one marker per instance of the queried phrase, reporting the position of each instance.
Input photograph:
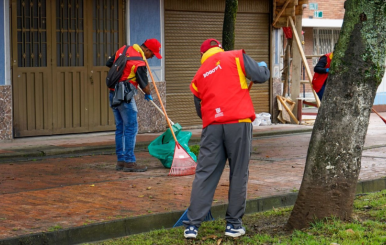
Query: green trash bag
(165, 152)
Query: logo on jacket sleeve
(219, 113)
(213, 70)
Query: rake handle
(384, 120)
(156, 90)
(159, 98)
(157, 107)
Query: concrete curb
(135, 225)
(40, 152)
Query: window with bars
(324, 42)
(105, 30)
(69, 33)
(31, 33)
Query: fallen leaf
(215, 200)
(92, 185)
(350, 231)
(209, 237)
(219, 241)
(141, 196)
(148, 188)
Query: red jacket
(221, 85)
(131, 65)
(319, 78)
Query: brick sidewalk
(37, 196)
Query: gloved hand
(262, 64)
(148, 97)
(327, 70)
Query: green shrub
(195, 149)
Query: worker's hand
(327, 70)
(148, 97)
(262, 64)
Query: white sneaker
(234, 232)
(191, 232)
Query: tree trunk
(228, 30)
(334, 154)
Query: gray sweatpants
(219, 143)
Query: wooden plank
(281, 12)
(68, 101)
(305, 63)
(287, 108)
(39, 101)
(77, 100)
(31, 106)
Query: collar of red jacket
(210, 52)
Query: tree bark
(228, 31)
(334, 155)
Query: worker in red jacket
(125, 112)
(321, 70)
(223, 102)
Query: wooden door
(106, 33)
(31, 68)
(59, 54)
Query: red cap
(209, 43)
(154, 46)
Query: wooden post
(296, 62)
(299, 45)
(300, 108)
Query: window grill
(69, 33)
(31, 33)
(324, 42)
(105, 30)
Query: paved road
(65, 192)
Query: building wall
(332, 9)
(149, 119)
(5, 113)
(5, 88)
(145, 25)
(2, 43)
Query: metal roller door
(187, 25)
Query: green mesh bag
(165, 151)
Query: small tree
(228, 31)
(334, 154)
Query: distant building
(322, 22)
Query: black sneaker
(133, 167)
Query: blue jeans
(126, 124)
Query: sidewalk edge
(140, 146)
(129, 226)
